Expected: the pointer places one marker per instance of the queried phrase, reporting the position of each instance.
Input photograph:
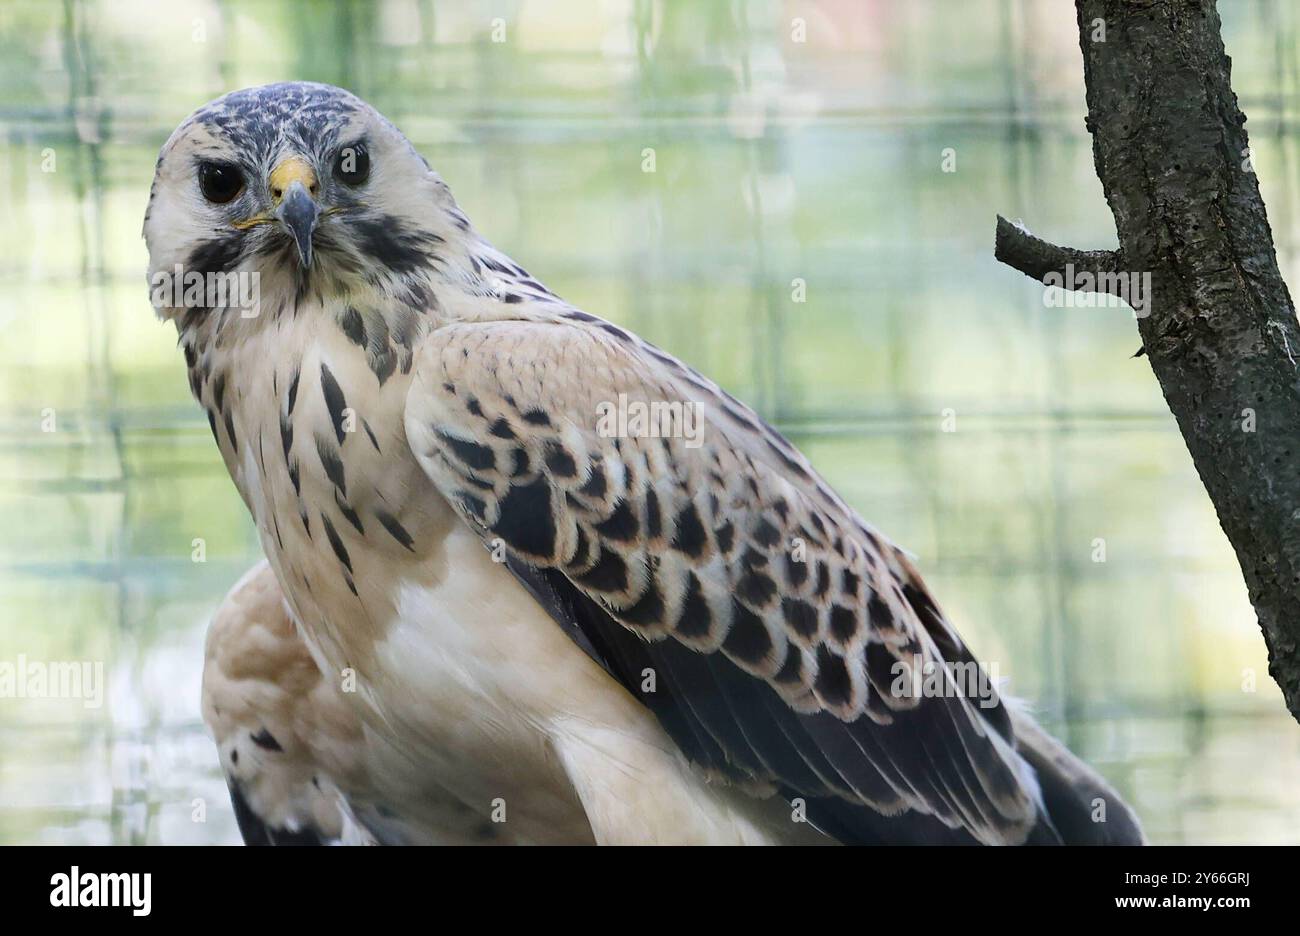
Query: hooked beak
(292, 185)
(298, 212)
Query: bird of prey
(494, 614)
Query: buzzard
(531, 579)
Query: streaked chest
(452, 659)
(314, 441)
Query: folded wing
(694, 552)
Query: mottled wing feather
(771, 615)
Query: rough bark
(1170, 147)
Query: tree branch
(1039, 259)
(1170, 147)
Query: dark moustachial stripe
(220, 255)
(335, 402)
(393, 244)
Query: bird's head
(304, 184)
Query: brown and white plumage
(297, 759)
(287, 740)
(694, 551)
(574, 635)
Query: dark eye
(352, 167)
(220, 182)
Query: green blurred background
(776, 160)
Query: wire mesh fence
(795, 197)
